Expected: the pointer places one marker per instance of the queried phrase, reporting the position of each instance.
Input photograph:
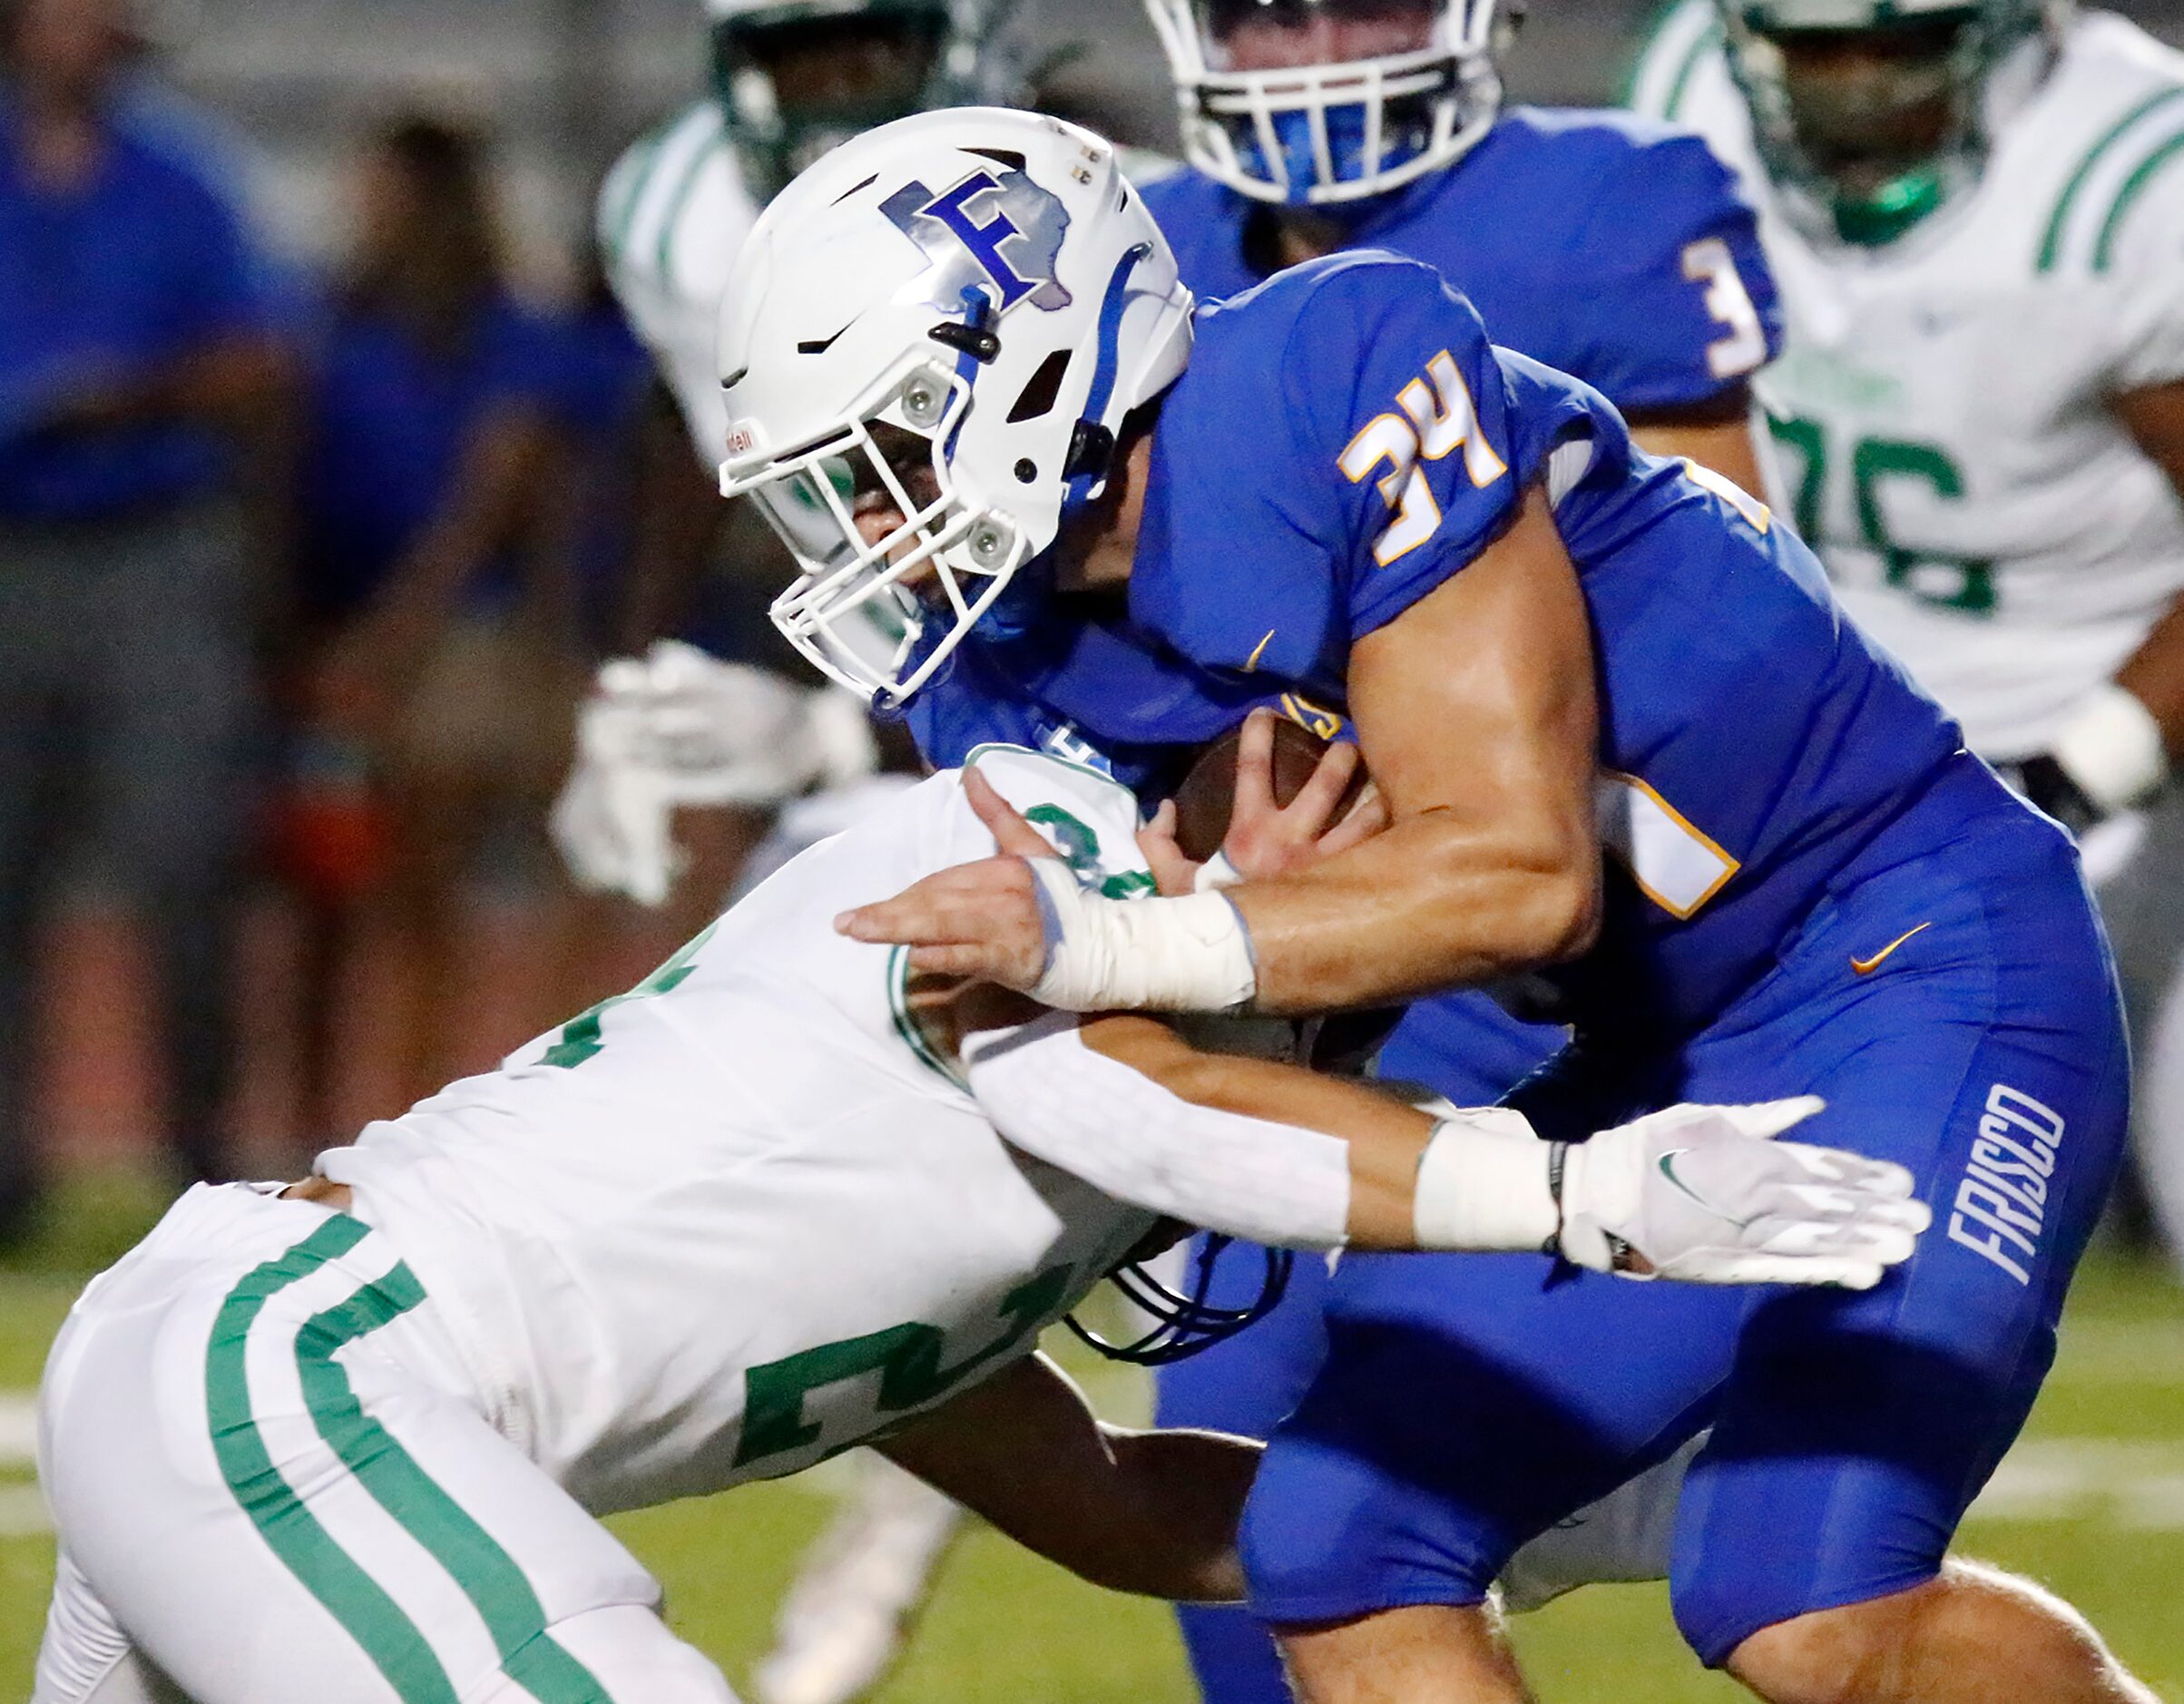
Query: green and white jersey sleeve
(741, 1217)
(672, 216)
(1943, 406)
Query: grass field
(2092, 1503)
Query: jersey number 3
(1709, 261)
(1438, 416)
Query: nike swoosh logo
(1866, 966)
(1257, 652)
(1667, 1170)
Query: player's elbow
(1564, 914)
(1170, 1521)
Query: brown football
(1208, 795)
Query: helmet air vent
(1040, 390)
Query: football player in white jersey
(346, 1440)
(1974, 209)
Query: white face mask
(1314, 101)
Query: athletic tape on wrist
(1184, 955)
(1482, 1184)
(2111, 746)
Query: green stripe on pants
(389, 1638)
(485, 1573)
(488, 1575)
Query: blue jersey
(1616, 249)
(1345, 440)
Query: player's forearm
(1384, 1137)
(1151, 1513)
(1255, 1148)
(1475, 710)
(1436, 902)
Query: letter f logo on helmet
(913, 468)
(1023, 219)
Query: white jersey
(740, 1219)
(1944, 404)
(672, 216)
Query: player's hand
(982, 919)
(1705, 1195)
(1268, 840)
(677, 727)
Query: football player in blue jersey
(1621, 253)
(1631, 751)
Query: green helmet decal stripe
(2105, 245)
(2051, 243)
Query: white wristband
(1185, 954)
(2111, 746)
(1483, 1185)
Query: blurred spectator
(136, 348)
(436, 577)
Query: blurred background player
(1975, 211)
(1616, 250)
(139, 358)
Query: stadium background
(2092, 1501)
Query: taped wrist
(1127, 1136)
(2112, 747)
(1483, 1185)
(1185, 954)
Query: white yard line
(2125, 1483)
(18, 1429)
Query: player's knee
(1889, 1649)
(1759, 1629)
(1839, 1656)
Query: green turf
(2093, 1505)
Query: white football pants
(274, 1483)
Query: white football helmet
(982, 289)
(1268, 107)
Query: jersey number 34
(1437, 418)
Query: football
(1208, 795)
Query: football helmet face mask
(929, 343)
(1318, 103)
(798, 77)
(1871, 115)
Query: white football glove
(679, 728)
(1704, 1195)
